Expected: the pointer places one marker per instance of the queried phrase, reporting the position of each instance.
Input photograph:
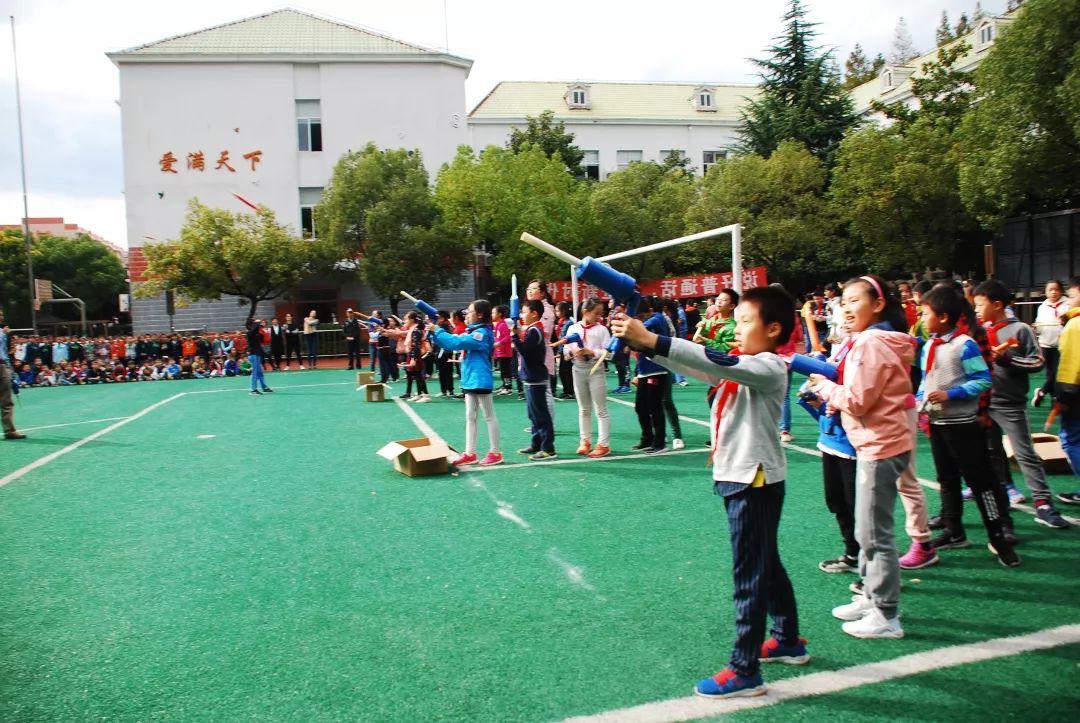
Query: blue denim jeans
(257, 377)
(1070, 440)
(785, 410)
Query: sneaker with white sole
(677, 444)
(918, 557)
(874, 625)
(840, 564)
(1045, 514)
(1005, 554)
(773, 651)
(786, 437)
(854, 610)
(728, 684)
(1016, 497)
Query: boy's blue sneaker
(773, 651)
(1016, 497)
(726, 684)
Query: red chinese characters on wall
(679, 287)
(196, 161)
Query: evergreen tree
(552, 138)
(801, 97)
(963, 26)
(1013, 5)
(903, 48)
(943, 34)
(978, 15)
(857, 69)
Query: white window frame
(706, 163)
(705, 99)
(585, 165)
(619, 156)
(986, 34)
(577, 96)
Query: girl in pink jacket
(873, 394)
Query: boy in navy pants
(532, 349)
(749, 468)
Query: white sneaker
(786, 437)
(874, 625)
(423, 398)
(301, 366)
(677, 444)
(854, 610)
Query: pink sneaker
(916, 557)
(491, 458)
(464, 459)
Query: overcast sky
(69, 88)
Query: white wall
(242, 107)
(608, 138)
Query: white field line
(290, 386)
(817, 684)
(70, 424)
(423, 426)
(36, 464)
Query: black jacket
(254, 340)
(352, 328)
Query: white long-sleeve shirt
(1048, 322)
(745, 440)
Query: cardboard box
(418, 457)
(375, 392)
(1048, 447)
(365, 378)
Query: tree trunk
(394, 301)
(251, 312)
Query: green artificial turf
(280, 570)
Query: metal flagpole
(22, 168)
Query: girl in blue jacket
(477, 342)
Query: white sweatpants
(591, 393)
(487, 405)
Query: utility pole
(22, 169)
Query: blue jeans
(785, 410)
(762, 586)
(373, 353)
(312, 343)
(257, 377)
(1070, 440)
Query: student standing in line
(532, 350)
(1048, 324)
(873, 394)
(1008, 398)
(954, 377)
(650, 378)
(1067, 385)
(477, 379)
(590, 389)
(748, 471)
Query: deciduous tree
(543, 132)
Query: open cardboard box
(418, 457)
(1048, 447)
(365, 378)
(376, 392)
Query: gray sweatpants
(1013, 421)
(875, 529)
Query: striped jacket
(960, 370)
(1012, 366)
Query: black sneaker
(1009, 535)
(640, 446)
(1046, 515)
(936, 523)
(255, 392)
(655, 450)
(527, 450)
(946, 541)
(1005, 554)
(840, 564)
(1069, 498)
(268, 390)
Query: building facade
(259, 111)
(616, 124)
(56, 226)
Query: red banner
(678, 287)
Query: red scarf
(725, 390)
